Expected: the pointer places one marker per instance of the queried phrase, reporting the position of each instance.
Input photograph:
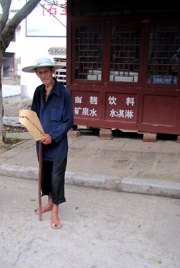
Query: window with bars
(61, 73)
(164, 52)
(124, 56)
(88, 45)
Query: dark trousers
(53, 180)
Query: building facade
(123, 64)
(41, 34)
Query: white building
(41, 34)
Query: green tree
(7, 32)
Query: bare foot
(45, 208)
(56, 223)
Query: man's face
(45, 74)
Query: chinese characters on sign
(51, 9)
(86, 111)
(123, 113)
(47, 19)
(118, 106)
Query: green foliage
(16, 138)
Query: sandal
(58, 224)
(45, 208)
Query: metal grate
(61, 73)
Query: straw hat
(42, 62)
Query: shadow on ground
(126, 134)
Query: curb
(127, 184)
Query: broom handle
(39, 180)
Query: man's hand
(46, 139)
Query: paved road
(102, 229)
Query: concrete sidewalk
(125, 163)
(101, 229)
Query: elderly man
(53, 106)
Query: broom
(30, 120)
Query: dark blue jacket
(56, 117)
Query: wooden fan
(30, 120)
